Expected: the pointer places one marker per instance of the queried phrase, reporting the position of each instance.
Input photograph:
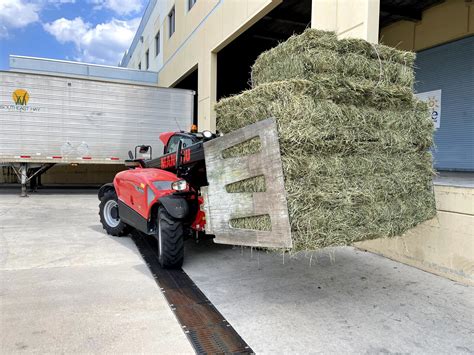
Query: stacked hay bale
(354, 140)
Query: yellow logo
(20, 97)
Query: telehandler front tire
(109, 215)
(169, 235)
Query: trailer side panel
(70, 120)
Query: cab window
(173, 143)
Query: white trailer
(57, 119)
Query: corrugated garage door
(450, 67)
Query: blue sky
(94, 31)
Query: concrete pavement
(342, 301)
(67, 287)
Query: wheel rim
(109, 215)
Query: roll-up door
(450, 68)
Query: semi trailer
(52, 118)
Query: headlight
(179, 185)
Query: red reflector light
(87, 158)
(25, 156)
(57, 157)
(114, 158)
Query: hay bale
(353, 138)
(359, 93)
(313, 53)
(321, 227)
(351, 172)
(313, 63)
(310, 119)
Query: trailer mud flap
(222, 207)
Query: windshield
(173, 143)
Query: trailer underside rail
(206, 328)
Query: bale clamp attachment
(221, 206)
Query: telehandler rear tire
(169, 234)
(109, 217)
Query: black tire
(117, 228)
(169, 235)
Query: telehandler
(183, 192)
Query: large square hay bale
(355, 158)
(315, 53)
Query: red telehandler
(183, 192)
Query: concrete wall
(448, 21)
(348, 18)
(443, 245)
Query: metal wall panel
(75, 118)
(450, 67)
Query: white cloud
(56, 3)
(68, 30)
(102, 44)
(121, 7)
(16, 14)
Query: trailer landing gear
(21, 170)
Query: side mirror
(130, 155)
(143, 149)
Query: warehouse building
(209, 46)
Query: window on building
(147, 59)
(191, 4)
(172, 21)
(157, 43)
(140, 66)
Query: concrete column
(348, 18)
(207, 89)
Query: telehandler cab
(183, 192)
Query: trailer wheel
(169, 234)
(109, 217)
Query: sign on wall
(433, 98)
